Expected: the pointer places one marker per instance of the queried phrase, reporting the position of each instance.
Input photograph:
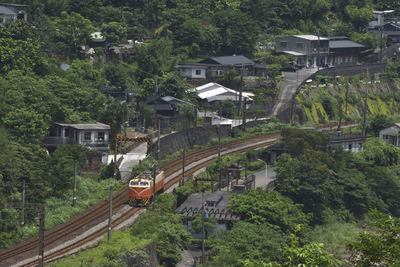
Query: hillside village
(273, 127)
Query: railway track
(25, 253)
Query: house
(215, 206)
(379, 18)
(12, 12)
(349, 142)
(342, 50)
(306, 49)
(90, 135)
(388, 30)
(166, 106)
(97, 39)
(211, 92)
(216, 66)
(391, 134)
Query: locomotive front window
(144, 183)
(134, 183)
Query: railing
(57, 140)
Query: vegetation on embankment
(158, 226)
(318, 102)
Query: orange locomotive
(141, 188)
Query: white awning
(294, 53)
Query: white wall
(202, 74)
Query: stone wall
(187, 138)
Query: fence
(349, 70)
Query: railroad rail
(58, 239)
(25, 253)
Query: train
(141, 188)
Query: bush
(256, 165)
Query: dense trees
(326, 181)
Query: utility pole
(203, 256)
(229, 179)
(194, 125)
(41, 236)
(340, 105)
(318, 52)
(110, 215)
(74, 197)
(347, 95)
(155, 85)
(381, 44)
(219, 141)
(154, 183)
(183, 165)
(240, 91)
(115, 157)
(159, 140)
(365, 105)
(23, 205)
(244, 116)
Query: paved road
(263, 178)
(288, 86)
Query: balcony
(322, 50)
(57, 141)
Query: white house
(90, 135)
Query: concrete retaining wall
(187, 138)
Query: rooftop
(228, 60)
(215, 204)
(311, 37)
(86, 126)
(6, 11)
(214, 91)
(15, 5)
(344, 44)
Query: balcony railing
(57, 140)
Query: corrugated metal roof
(311, 37)
(214, 91)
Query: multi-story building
(12, 12)
(306, 48)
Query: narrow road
(288, 87)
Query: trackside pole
(110, 216)
(41, 236)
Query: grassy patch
(60, 210)
(106, 252)
(335, 236)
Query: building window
(198, 72)
(283, 44)
(300, 46)
(100, 136)
(350, 146)
(87, 136)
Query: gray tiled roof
(6, 11)
(233, 60)
(344, 44)
(86, 126)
